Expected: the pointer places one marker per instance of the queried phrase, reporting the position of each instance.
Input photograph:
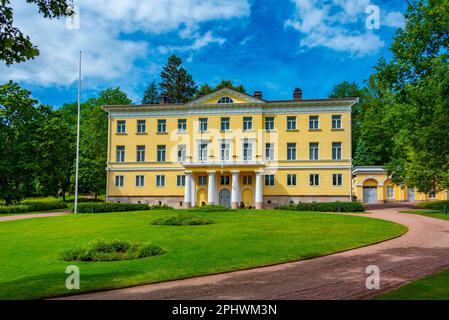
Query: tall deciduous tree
(176, 84)
(151, 95)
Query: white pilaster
(188, 190)
(212, 188)
(259, 189)
(235, 194)
(192, 184)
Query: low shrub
(434, 205)
(161, 207)
(210, 208)
(182, 220)
(95, 207)
(31, 206)
(325, 207)
(115, 250)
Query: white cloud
(338, 25)
(199, 42)
(394, 19)
(108, 53)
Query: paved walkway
(31, 216)
(422, 251)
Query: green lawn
(429, 213)
(29, 265)
(434, 287)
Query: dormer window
(225, 100)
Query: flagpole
(78, 138)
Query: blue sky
(272, 46)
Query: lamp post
(78, 138)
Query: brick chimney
(258, 94)
(297, 94)
(163, 99)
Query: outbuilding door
(411, 195)
(370, 194)
(225, 198)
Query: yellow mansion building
(232, 149)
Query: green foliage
(210, 208)
(15, 47)
(182, 220)
(110, 207)
(325, 207)
(161, 207)
(151, 95)
(434, 205)
(29, 206)
(230, 84)
(114, 250)
(176, 84)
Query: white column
(212, 188)
(188, 190)
(192, 184)
(259, 189)
(235, 194)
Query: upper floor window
(337, 179)
(291, 123)
(269, 151)
(141, 126)
(336, 150)
(247, 151)
(181, 152)
(202, 180)
(225, 124)
(314, 123)
(160, 153)
(140, 154)
(224, 180)
(269, 123)
(203, 151)
(247, 123)
(203, 124)
(120, 154)
(121, 126)
(225, 100)
(336, 122)
(291, 151)
(314, 151)
(162, 126)
(225, 151)
(247, 180)
(182, 125)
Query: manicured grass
(434, 287)
(429, 213)
(434, 205)
(30, 268)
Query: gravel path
(34, 215)
(421, 251)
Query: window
(162, 126)
(291, 151)
(269, 151)
(140, 181)
(224, 180)
(203, 151)
(225, 124)
(314, 151)
(269, 180)
(202, 180)
(314, 180)
(247, 180)
(160, 181)
(247, 151)
(181, 153)
(291, 123)
(390, 192)
(247, 123)
(432, 195)
(314, 123)
(202, 124)
(225, 100)
(160, 153)
(182, 125)
(121, 126)
(269, 123)
(140, 154)
(180, 180)
(119, 181)
(291, 179)
(337, 179)
(120, 154)
(141, 126)
(225, 151)
(336, 150)
(336, 122)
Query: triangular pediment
(216, 96)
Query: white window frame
(225, 100)
(180, 180)
(161, 126)
(247, 180)
(291, 123)
(160, 180)
(336, 121)
(140, 181)
(203, 155)
(181, 152)
(314, 122)
(270, 121)
(140, 154)
(269, 180)
(202, 124)
(202, 180)
(269, 152)
(141, 126)
(337, 179)
(120, 154)
(314, 151)
(247, 123)
(182, 125)
(161, 150)
(226, 121)
(291, 156)
(291, 179)
(314, 182)
(225, 154)
(119, 181)
(336, 150)
(249, 151)
(121, 126)
(390, 192)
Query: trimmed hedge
(182, 220)
(325, 207)
(161, 207)
(29, 206)
(96, 207)
(210, 208)
(434, 205)
(115, 250)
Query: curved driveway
(421, 251)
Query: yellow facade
(372, 185)
(254, 188)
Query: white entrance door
(411, 195)
(225, 198)
(370, 194)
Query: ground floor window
(314, 180)
(247, 180)
(180, 180)
(119, 181)
(337, 179)
(160, 181)
(269, 180)
(140, 181)
(291, 179)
